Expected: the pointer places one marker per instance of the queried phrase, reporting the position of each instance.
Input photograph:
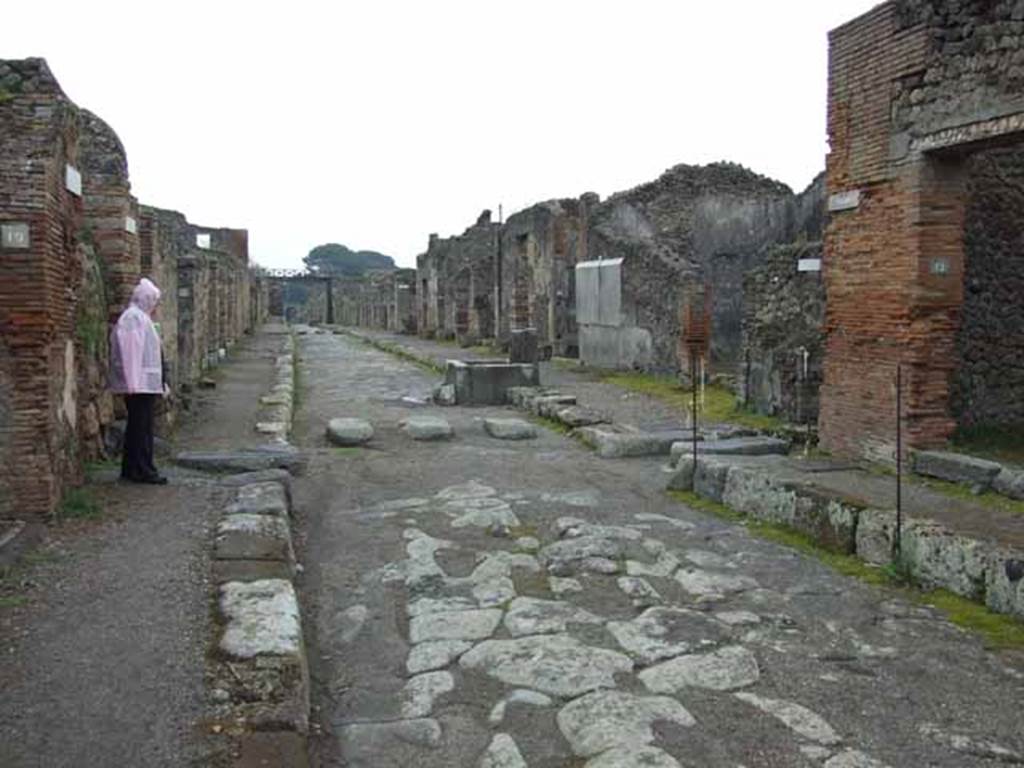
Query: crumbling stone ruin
(73, 244)
(455, 281)
(693, 226)
(922, 267)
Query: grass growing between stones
(79, 504)
(719, 404)
(12, 601)
(998, 630)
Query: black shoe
(153, 480)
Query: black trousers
(137, 462)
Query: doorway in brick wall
(987, 386)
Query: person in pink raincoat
(136, 371)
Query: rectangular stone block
(956, 468)
(876, 532)
(253, 537)
(937, 557)
(523, 346)
(267, 498)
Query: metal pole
(693, 412)
(897, 546)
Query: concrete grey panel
(610, 292)
(587, 293)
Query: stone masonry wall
(989, 385)
(697, 225)
(455, 283)
(72, 250)
(541, 246)
(41, 262)
(783, 335)
(914, 88)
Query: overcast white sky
(375, 123)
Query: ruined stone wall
(988, 388)
(194, 316)
(914, 88)
(696, 225)
(455, 281)
(783, 335)
(539, 251)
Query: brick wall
(913, 88)
(87, 244)
(37, 294)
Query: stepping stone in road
(510, 429)
(349, 431)
(427, 428)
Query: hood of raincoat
(135, 358)
(146, 296)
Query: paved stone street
(475, 601)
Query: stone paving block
(549, 405)
(1010, 482)
(577, 416)
(617, 443)
(262, 640)
(253, 537)
(248, 460)
(261, 619)
(742, 446)
(510, 429)
(268, 498)
(427, 428)
(349, 431)
(250, 570)
(956, 468)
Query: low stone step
(427, 428)
(617, 443)
(248, 460)
(510, 429)
(737, 446)
(349, 431)
(957, 468)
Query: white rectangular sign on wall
(14, 235)
(203, 240)
(130, 226)
(72, 180)
(844, 201)
(808, 265)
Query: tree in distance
(336, 259)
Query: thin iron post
(897, 546)
(693, 406)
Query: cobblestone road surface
(482, 602)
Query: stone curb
(980, 474)
(934, 555)
(260, 670)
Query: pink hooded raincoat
(135, 364)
